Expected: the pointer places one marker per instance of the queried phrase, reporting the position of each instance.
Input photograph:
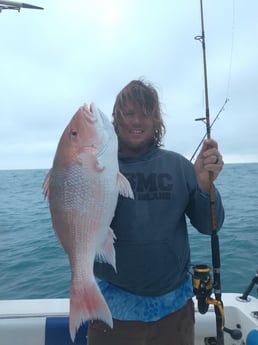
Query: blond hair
(146, 97)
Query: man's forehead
(131, 106)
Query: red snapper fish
(82, 189)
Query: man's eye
(129, 113)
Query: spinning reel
(202, 286)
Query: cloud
(54, 60)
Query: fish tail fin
(87, 303)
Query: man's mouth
(136, 131)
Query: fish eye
(73, 133)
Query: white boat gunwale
(28, 320)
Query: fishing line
(203, 119)
(232, 47)
(230, 64)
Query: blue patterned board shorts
(126, 306)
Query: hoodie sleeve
(199, 211)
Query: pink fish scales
(82, 188)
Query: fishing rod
(203, 119)
(202, 282)
(218, 305)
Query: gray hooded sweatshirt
(152, 246)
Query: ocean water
(34, 265)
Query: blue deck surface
(57, 332)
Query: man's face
(135, 131)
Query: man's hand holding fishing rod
(208, 161)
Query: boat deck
(46, 322)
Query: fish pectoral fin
(124, 186)
(95, 157)
(99, 165)
(106, 252)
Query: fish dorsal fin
(46, 185)
(124, 186)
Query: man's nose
(137, 118)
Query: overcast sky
(52, 61)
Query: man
(150, 295)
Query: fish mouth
(101, 117)
(89, 114)
(92, 107)
(105, 126)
